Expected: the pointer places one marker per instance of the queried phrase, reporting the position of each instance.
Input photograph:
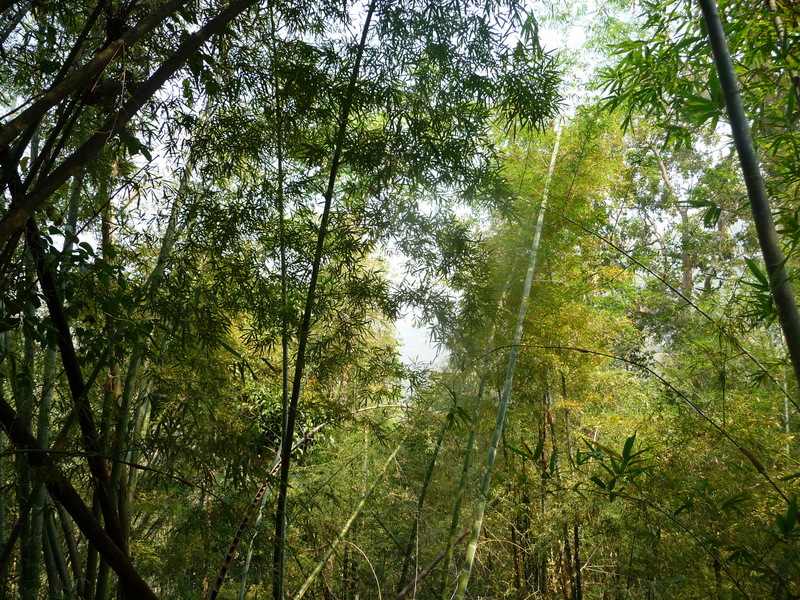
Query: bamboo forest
(386, 299)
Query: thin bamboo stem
(343, 532)
(512, 361)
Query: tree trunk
(239, 535)
(78, 574)
(57, 555)
(462, 487)
(92, 557)
(411, 585)
(91, 438)
(569, 563)
(30, 539)
(515, 550)
(54, 591)
(79, 77)
(264, 491)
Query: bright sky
(416, 345)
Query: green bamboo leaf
(599, 482)
(598, 445)
(462, 415)
(682, 507)
(763, 280)
(783, 527)
(537, 454)
(526, 454)
(791, 515)
(626, 450)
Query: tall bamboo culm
(782, 294)
(512, 361)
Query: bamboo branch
(452, 540)
(757, 464)
(421, 502)
(17, 214)
(260, 494)
(688, 301)
(85, 74)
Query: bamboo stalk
(781, 289)
(348, 524)
(512, 361)
(87, 73)
(305, 326)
